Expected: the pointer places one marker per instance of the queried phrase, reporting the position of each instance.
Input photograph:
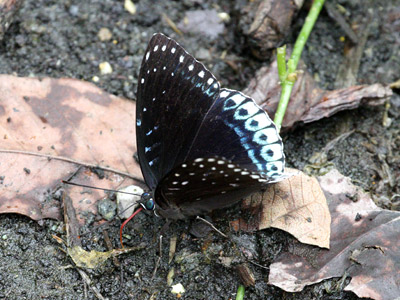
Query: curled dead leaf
(296, 205)
(308, 102)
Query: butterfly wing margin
(175, 92)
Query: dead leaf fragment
(8, 8)
(93, 259)
(296, 205)
(365, 243)
(266, 23)
(308, 102)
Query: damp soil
(60, 39)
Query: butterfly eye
(147, 201)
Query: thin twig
(158, 259)
(212, 226)
(73, 161)
(87, 280)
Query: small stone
(104, 34)
(177, 289)
(107, 209)
(130, 7)
(105, 68)
(127, 203)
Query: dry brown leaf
(267, 23)
(50, 128)
(296, 205)
(8, 8)
(308, 102)
(365, 243)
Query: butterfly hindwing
(204, 184)
(237, 129)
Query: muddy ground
(60, 39)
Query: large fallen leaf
(54, 129)
(365, 244)
(308, 102)
(296, 205)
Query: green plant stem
(240, 293)
(281, 60)
(288, 82)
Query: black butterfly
(200, 147)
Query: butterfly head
(147, 201)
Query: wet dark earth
(61, 39)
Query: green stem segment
(240, 293)
(288, 77)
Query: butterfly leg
(162, 232)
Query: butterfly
(200, 147)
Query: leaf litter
(60, 129)
(365, 243)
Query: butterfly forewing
(175, 92)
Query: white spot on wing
(271, 152)
(147, 55)
(191, 67)
(142, 81)
(155, 48)
(224, 94)
(181, 59)
(270, 133)
(198, 159)
(164, 47)
(173, 50)
(210, 81)
(249, 106)
(185, 182)
(201, 74)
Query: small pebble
(104, 34)
(105, 68)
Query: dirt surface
(60, 39)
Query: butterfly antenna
(97, 188)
